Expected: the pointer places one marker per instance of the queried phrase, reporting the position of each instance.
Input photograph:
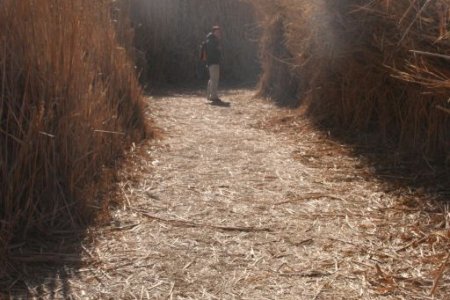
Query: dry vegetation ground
(232, 203)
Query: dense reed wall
(69, 104)
(169, 33)
(356, 66)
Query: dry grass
(69, 104)
(278, 80)
(169, 33)
(356, 67)
(234, 204)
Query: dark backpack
(203, 55)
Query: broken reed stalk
(439, 275)
(64, 77)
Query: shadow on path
(42, 266)
(395, 169)
(220, 103)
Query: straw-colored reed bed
(169, 33)
(69, 104)
(378, 66)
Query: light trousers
(213, 83)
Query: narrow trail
(222, 208)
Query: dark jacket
(213, 50)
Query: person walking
(213, 60)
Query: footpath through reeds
(234, 203)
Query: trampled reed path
(251, 202)
(246, 201)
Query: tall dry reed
(69, 104)
(279, 80)
(357, 67)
